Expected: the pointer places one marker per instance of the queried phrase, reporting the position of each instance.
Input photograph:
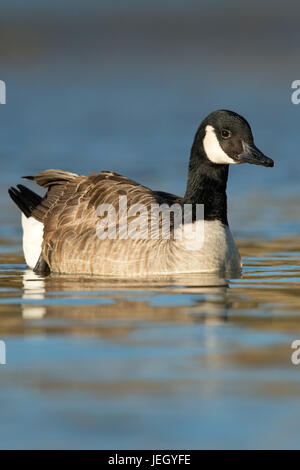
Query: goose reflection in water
(172, 298)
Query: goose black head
(225, 137)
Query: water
(190, 362)
(193, 362)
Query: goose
(61, 229)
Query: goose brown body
(71, 245)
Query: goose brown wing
(55, 181)
(70, 217)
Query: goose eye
(225, 133)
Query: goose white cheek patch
(213, 149)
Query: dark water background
(122, 86)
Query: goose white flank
(61, 229)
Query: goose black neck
(206, 185)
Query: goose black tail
(25, 199)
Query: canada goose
(60, 229)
